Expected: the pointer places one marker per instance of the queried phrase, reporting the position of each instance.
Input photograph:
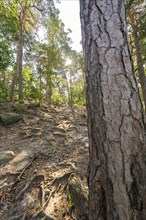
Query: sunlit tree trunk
(117, 170)
(70, 88)
(19, 65)
(68, 91)
(19, 58)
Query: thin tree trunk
(49, 90)
(6, 84)
(68, 90)
(20, 52)
(117, 170)
(18, 70)
(50, 93)
(12, 87)
(40, 80)
(140, 66)
(19, 66)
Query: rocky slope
(43, 163)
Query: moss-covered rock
(6, 156)
(10, 118)
(19, 107)
(78, 197)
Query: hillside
(43, 163)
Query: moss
(10, 118)
(77, 196)
(19, 107)
(70, 200)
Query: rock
(20, 161)
(12, 170)
(28, 202)
(7, 180)
(10, 118)
(19, 107)
(6, 156)
(78, 197)
(33, 106)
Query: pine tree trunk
(18, 71)
(20, 52)
(19, 66)
(117, 170)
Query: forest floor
(43, 163)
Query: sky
(69, 14)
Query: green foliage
(34, 94)
(3, 90)
(31, 88)
(6, 56)
(8, 33)
(44, 62)
(56, 98)
(70, 199)
(136, 16)
(79, 93)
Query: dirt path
(45, 176)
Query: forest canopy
(36, 68)
(35, 48)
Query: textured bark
(20, 52)
(117, 170)
(18, 71)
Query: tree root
(41, 215)
(29, 185)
